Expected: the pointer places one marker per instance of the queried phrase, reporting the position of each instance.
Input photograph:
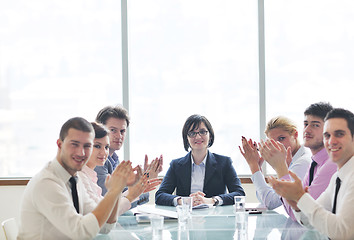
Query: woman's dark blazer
(219, 175)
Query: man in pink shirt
(321, 170)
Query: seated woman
(98, 158)
(284, 131)
(201, 174)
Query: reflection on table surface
(216, 223)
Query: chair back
(10, 228)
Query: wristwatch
(216, 201)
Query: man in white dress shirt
(332, 213)
(49, 209)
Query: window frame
(245, 178)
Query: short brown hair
(77, 123)
(347, 115)
(117, 111)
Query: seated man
(321, 170)
(116, 120)
(55, 204)
(332, 212)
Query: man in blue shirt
(116, 119)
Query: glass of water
(156, 225)
(183, 214)
(240, 203)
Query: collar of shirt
(201, 164)
(60, 171)
(321, 157)
(347, 170)
(302, 151)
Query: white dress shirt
(47, 210)
(318, 213)
(266, 194)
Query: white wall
(11, 197)
(10, 201)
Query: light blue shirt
(198, 175)
(197, 179)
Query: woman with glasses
(203, 175)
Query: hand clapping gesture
(250, 152)
(276, 155)
(120, 177)
(291, 191)
(154, 168)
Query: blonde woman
(280, 131)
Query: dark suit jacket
(219, 175)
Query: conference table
(215, 223)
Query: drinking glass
(240, 203)
(188, 201)
(156, 225)
(183, 214)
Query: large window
(58, 59)
(190, 57)
(309, 55)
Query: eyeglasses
(194, 134)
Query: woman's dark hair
(100, 130)
(192, 123)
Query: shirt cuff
(175, 201)
(107, 227)
(306, 204)
(220, 201)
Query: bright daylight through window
(61, 59)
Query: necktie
(312, 169)
(335, 195)
(72, 180)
